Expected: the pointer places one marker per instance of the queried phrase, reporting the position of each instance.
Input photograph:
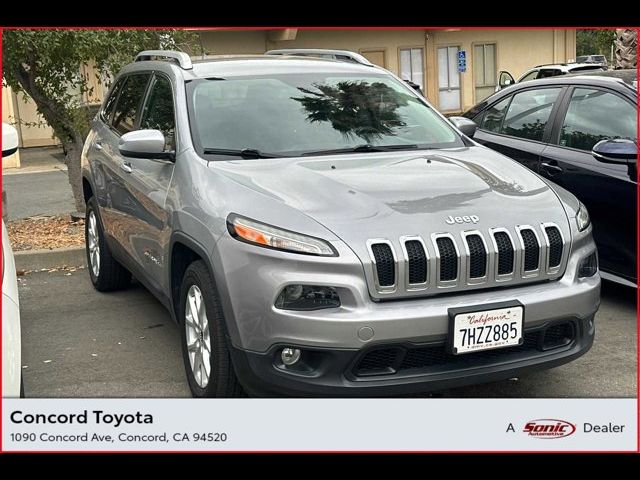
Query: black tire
(222, 381)
(111, 275)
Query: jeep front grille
(470, 259)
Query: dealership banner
(329, 425)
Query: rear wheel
(106, 272)
(205, 352)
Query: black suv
(581, 133)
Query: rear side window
(158, 112)
(529, 112)
(595, 115)
(549, 72)
(110, 104)
(494, 115)
(530, 76)
(129, 102)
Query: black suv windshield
(311, 113)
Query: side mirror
(617, 150)
(144, 144)
(465, 125)
(505, 79)
(9, 140)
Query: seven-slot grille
(488, 257)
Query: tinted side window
(494, 115)
(110, 104)
(126, 111)
(595, 115)
(549, 72)
(158, 111)
(529, 112)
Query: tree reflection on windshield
(355, 108)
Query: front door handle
(98, 145)
(126, 167)
(551, 168)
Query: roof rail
(343, 55)
(180, 57)
(551, 65)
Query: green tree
(594, 42)
(46, 66)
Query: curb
(38, 259)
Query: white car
(543, 71)
(11, 345)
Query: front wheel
(105, 272)
(205, 353)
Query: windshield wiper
(247, 153)
(367, 147)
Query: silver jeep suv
(316, 228)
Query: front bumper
(336, 375)
(336, 338)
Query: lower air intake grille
(477, 257)
(505, 253)
(417, 262)
(555, 246)
(531, 250)
(448, 259)
(385, 264)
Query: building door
(377, 57)
(448, 79)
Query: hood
(387, 195)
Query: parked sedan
(581, 133)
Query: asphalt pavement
(40, 186)
(77, 342)
(43, 193)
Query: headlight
(257, 233)
(582, 218)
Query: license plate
(487, 329)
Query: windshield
(297, 114)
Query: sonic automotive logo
(549, 428)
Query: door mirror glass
(505, 79)
(465, 125)
(9, 140)
(144, 144)
(618, 150)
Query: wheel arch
(183, 250)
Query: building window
(484, 70)
(411, 65)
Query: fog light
(290, 356)
(588, 266)
(307, 297)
